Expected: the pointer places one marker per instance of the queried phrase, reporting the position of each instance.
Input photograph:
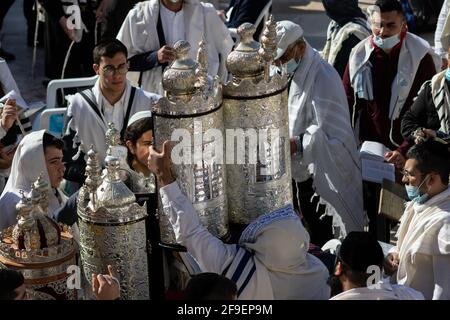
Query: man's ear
(404, 25)
(338, 269)
(434, 179)
(302, 48)
(130, 146)
(96, 68)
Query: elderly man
(152, 28)
(422, 255)
(325, 159)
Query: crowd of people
(372, 81)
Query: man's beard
(335, 285)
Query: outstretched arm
(211, 253)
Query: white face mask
(387, 43)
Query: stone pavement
(309, 14)
(14, 40)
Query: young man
(347, 28)
(324, 151)
(39, 153)
(153, 27)
(111, 100)
(383, 76)
(359, 262)
(422, 255)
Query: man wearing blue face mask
(323, 148)
(422, 255)
(384, 74)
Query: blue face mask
(387, 43)
(291, 66)
(414, 193)
(447, 74)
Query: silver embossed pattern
(255, 102)
(112, 230)
(193, 105)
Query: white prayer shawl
(441, 100)
(139, 34)
(424, 235)
(90, 128)
(336, 37)
(385, 291)
(318, 109)
(257, 275)
(28, 163)
(412, 52)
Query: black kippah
(359, 250)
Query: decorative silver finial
(268, 45)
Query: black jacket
(422, 114)
(115, 16)
(246, 11)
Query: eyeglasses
(111, 70)
(407, 174)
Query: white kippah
(138, 116)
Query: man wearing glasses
(421, 258)
(111, 100)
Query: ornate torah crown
(112, 135)
(180, 78)
(110, 200)
(189, 89)
(112, 228)
(244, 61)
(250, 64)
(39, 247)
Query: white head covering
(138, 116)
(28, 164)
(280, 245)
(287, 33)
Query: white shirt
(383, 291)
(424, 247)
(173, 25)
(114, 113)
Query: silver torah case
(112, 229)
(40, 248)
(193, 103)
(255, 101)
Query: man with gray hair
(323, 147)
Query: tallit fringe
(339, 230)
